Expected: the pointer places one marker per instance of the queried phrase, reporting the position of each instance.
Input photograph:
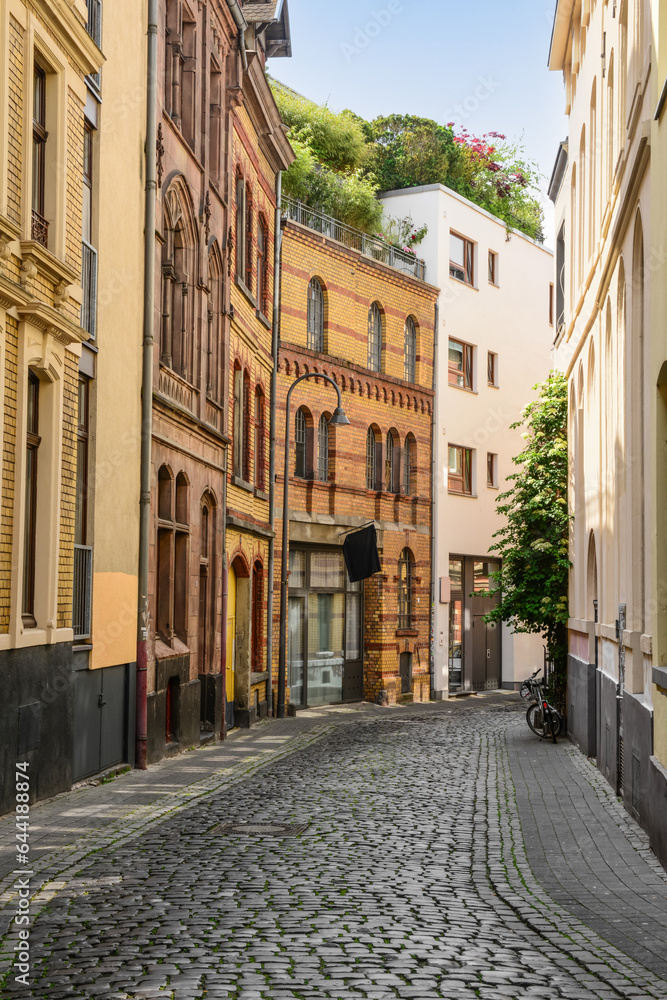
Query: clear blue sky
(480, 63)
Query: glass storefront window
(297, 569)
(295, 620)
(456, 574)
(326, 615)
(327, 570)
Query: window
(461, 259)
(390, 462)
(240, 227)
(323, 449)
(491, 469)
(300, 435)
(260, 460)
(81, 505)
(30, 526)
(214, 323)
(237, 434)
(460, 365)
(188, 61)
(88, 253)
(248, 236)
(410, 350)
(371, 460)
(178, 320)
(405, 574)
(40, 227)
(493, 268)
(460, 470)
(207, 607)
(262, 270)
(257, 638)
(375, 338)
(410, 466)
(492, 368)
(315, 319)
(551, 305)
(172, 557)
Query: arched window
(410, 350)
(375, 338)
(214, 329)
(240, 227)
(391, 463)
(257, 638)
(300, 433)
(315, 315)
(180, 237)
(323, 449)
(409, 466)
(372, 479)
(207, 568)
(262, 266)
(237, 425)
(260, 443)
(248, 236)
(172, 558)
(405, 574)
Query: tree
(533, 544)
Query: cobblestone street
(434, 851)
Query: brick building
(220, 146)
(47, 52)
(362, 313)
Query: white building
(494, 340)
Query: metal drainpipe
(225, 597)
(434, 431)
(146, 391)
(241, 24)
(272, 437)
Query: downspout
(272, 436)
(225, 593)
(146, 392)
(434, 516)
(241, 24)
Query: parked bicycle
(542, 717)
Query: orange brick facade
(385, 401)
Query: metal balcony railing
(39, 229)
(89, 285)
(82, 597)
(370, 246)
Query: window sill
(460, 281)
(457, 493)
(241, 285)
(406, 633)
(492, 486)
(494, 284)
(262, 318)
(242, 484)
(464, 388)
(492, 385)
(260, 494)
(258, 678)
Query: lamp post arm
(282, 651)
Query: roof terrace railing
(370, 246)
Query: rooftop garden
(343, 162)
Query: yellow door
(231, 633)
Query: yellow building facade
(46, 54)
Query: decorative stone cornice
(37, 260)
(69, 30)
(49, 320)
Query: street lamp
(338, 420)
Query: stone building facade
(220, 146)
(46, 55)
(606, 259)
(356, 312)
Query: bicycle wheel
(558, 721)
(536, 721)
(551, 723)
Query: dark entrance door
(99, 720)
(475, 660)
